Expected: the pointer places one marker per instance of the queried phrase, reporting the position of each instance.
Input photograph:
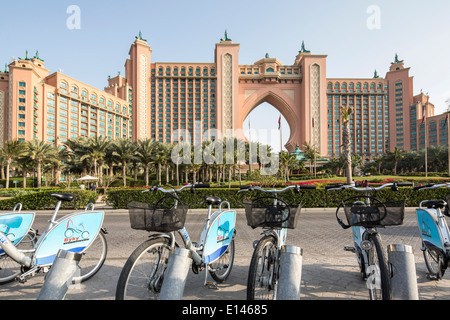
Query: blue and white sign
(219, 236)
(428, 230)
(73, 233)
(16, 225)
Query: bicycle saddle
(434, 204)
(62, 196)
(213, 200)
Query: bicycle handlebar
(296, 188)
(192, 187)
(433, 186)
(393, 185)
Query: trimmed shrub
(319, 198)
(42, 201)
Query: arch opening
(267, 125)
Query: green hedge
(42, 201)
(319, 198)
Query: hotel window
(21, 132)
(22, 84)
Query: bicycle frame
(55, 238)
(217, 234)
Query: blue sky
(186, 31)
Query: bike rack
(290, 279)
(403, 272)
(176, 274)
(60, 276)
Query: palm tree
(287, 161)
(346, 143)
(97, 148)
(125, 151)
(39, 152)
(145, 152)
(396, 155)
(12, 150)
(79, 148)
(311, 154)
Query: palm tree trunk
(8, 162)
(24, 184)
(124, 173)
(38, 169)
(146, 175)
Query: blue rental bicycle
(143, 273)
(434, 232)
(275, 216)
(25, 253)
(365, 214)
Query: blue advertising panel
(16, 225)
(72, 233)
(428, 230)
(219, 236)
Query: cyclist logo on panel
(426, 231)
(75, 233)
(9, 223)
(223, 231)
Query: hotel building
(154, 99)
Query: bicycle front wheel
(10, 269)
(93, 259)
(143, 273)
(378, 280)
(262, 280)
(435, 262)
(222, 267)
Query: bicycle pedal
(212, 285)
(432, 277)
(350, 249)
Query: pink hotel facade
(153, 99)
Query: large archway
(283, 102)
(265, 124)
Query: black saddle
(62, 196)
(213, 200)
(434, 204)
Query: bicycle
(275, 216)
(25, 253)
(365, 214)
(434, 232)
(143, 273)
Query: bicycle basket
(263, 213)
(375, 214)
(159, 217)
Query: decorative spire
(6, 68)
(396, 59)
(303, 49)
(375, 74)
(140, 36)
(26, 55)
(226, 37)
(36, 56)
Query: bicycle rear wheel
(435, 262)
(93, 259)
(143, 273)
(262, 274)
(378, 280)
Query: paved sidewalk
(328, 272)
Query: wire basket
(263, 213)
(156, 217)
(377, 214)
